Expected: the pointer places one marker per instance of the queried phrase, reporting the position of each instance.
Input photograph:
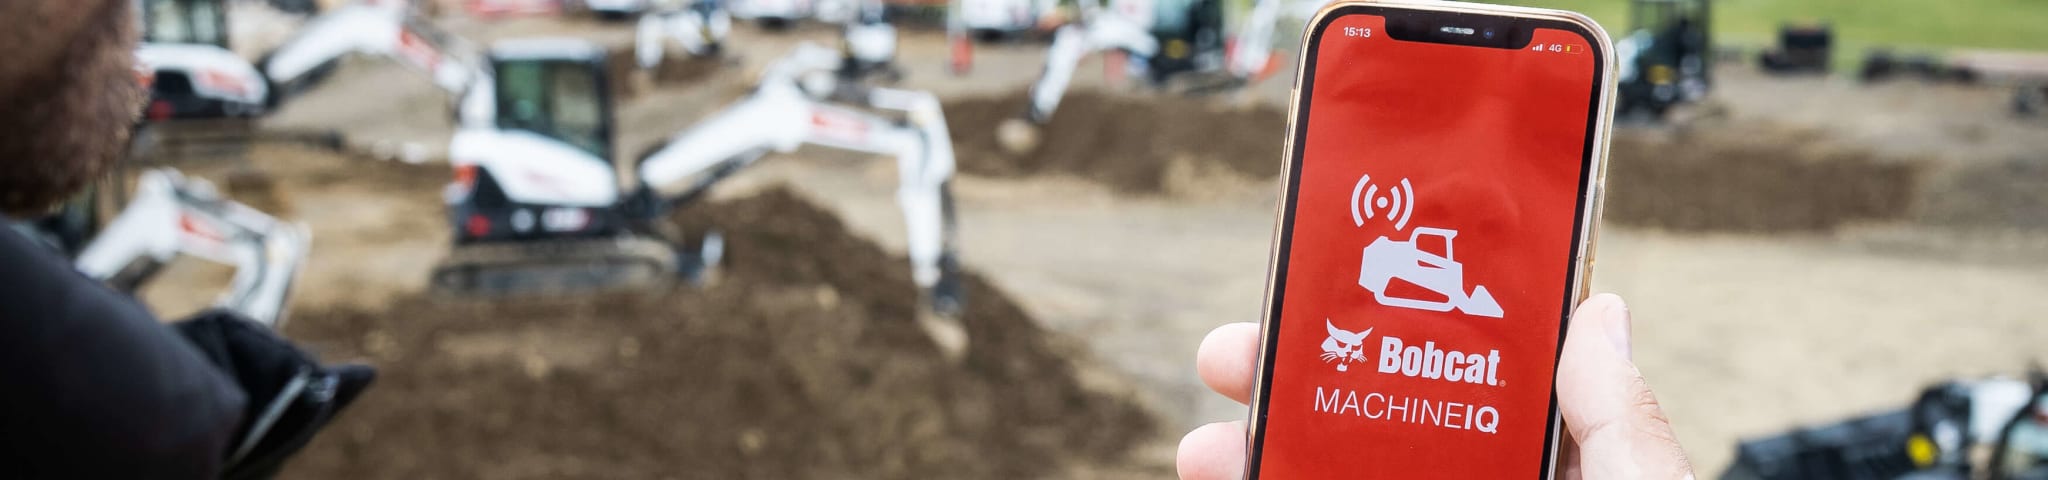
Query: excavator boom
(783, 114)
(801, 101)
(172, 215)
(387, 29)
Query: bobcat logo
(1344, 347)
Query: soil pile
(2012, 193)
(336, 168)
(801, 362)
(1751, 178)
(1134, 144)
(1713, 177)
(677, 67)
(687, 70)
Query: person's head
(68, 94)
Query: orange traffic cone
(963, 54)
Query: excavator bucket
(556, 266)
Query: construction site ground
(1794, 251)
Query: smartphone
(1443, 179)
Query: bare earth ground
(1907, 245)
(788, 366)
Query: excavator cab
(195, 75)
(556, 90)
(1190, 35)
(1665, 55)
(196, 22)
(556, 238)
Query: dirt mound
(1752, 178)
(1714, 177)
(792, 366)
(1132, 144)
(677, 68)
(2012, 193)
(338, 168)
(687, 70)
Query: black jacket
(93, 386)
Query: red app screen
(1423, 279)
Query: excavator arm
(1251, 52)
(1071, 43)
(799, 102)
(1102, 30)
(389, 29)
(781, 115)
(171, 215)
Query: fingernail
(1618, 323)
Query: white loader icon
(1386, 260)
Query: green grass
(1859, 24)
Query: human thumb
(1608, 409)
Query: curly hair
(67, 99)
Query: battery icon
(1574, 48)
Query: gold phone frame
(1589, 229)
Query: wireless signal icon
(1395, 204)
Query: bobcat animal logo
(1344, 347)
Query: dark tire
(2029, 101)
(1878, 65)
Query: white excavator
(185, 44)
(996, 19)
(1171, 44)
(197, 74)
(204, 97)
(538, 204)
(170, 216)
(699, 26)
(544, 201)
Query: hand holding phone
(1614, 425)
(1442, 197)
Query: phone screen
(1427, 246)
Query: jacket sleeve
(93, 386)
